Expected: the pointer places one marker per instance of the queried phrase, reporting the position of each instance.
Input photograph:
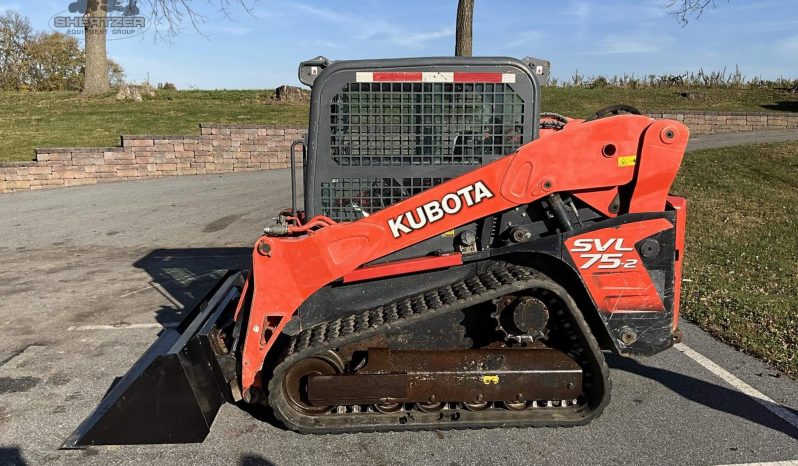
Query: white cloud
(267, 13)
(761, 5)
(631, 44)
(530, 37)
(650, 9)
(772, 26)
(323, 13)
(789, 44)
(608, 12)
(375, 29)
(385, 32)
(581, 10)
(323, 44)
(419, 39)
(231, 30)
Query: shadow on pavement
(713, 396)
(11, 456)
(184, 276)
(251, 459)
(176, 366)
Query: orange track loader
(461, 261)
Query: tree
(463, 35)
(15, 33)
(95, 80)
(683, 9)
(168, 16)
(56, 62)
(116, 75)
(42, 61)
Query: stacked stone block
(218, 149)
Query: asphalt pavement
(715, 141)
(90, 275)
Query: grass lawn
(63, 119)
(583, 102)
(741, 270)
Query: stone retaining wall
(218, 149)
(234, 148)
(728, 122)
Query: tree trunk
(463, 36)
(96, 74)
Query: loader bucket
(173, 392)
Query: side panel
(629, 272)
(612, 269)
(615, 300)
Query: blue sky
(595, 37)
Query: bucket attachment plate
(173, 392)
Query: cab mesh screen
(398, 124)
(345, 199)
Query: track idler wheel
(515, 405)
(388, 407)
(431, 407)
(476, 405)
(295, 381)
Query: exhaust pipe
(174, 391)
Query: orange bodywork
(616, 288)
(590, 160)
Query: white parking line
(743, 387)
(74, 328)
(772, 463)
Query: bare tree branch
(683, 10)
(169, 16)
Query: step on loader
(461, 261)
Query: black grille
(344, 199)
(372, 144)
(407, 124)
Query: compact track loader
(461, 261)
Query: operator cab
(386, 130)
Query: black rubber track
(498, 281)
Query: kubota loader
(461, 261)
